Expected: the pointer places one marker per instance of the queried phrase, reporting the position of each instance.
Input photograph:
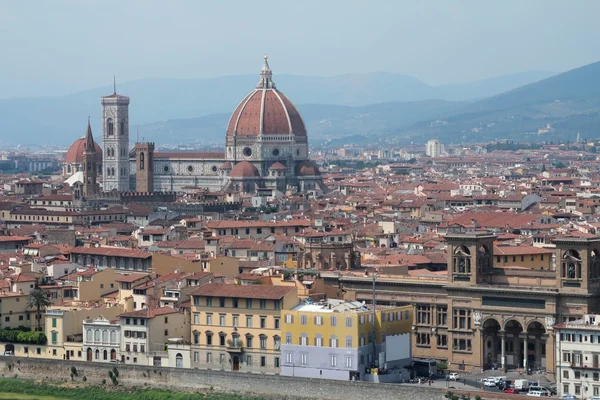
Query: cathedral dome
(307, 168)
(266, 111)
(75, 153)
(244, 169)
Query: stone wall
(268, 386)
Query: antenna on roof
(114, 84)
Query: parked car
(453, 376)
(9, 353)
(504, 384)
(537, 393)
(568, 397)
(511, 390)
(489, 382)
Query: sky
(56, 47)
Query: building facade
(578, 357)
(237, 327)
(479, 316)
(336, 339)
(434, 148)
(101, 340)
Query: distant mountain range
(198, 109)
(569, 102)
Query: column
(525, 351)
(503, 349)
(538, 352)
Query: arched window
(179, 361)
(89, 335)
(105, 355)
(141, 161)
(571, 265)
(69, 168)
(110, 127)
(122, 129)
(97, 354)
(105, 336)
(97, 335)
(113, 336)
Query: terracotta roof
(244, 169)
(14, 238)
(265, 111)
(131, 277)
(249, 292)
(277, 166)
(111, 251)
(75, 153)
(307, 168)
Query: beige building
(477, 315)
(237, 327)
(145, 334)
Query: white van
(521, 384)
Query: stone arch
(512, 323)
(461, 260)
(492, 342)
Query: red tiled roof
(249, 292)
(111, 251)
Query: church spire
(89, 139)
(266, 76)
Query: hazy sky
(59, 46)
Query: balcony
(581, 365)
(235, 346)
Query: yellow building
(527, 257)
(64, 332)
(333, 339)
(14, 311)
(237, 327)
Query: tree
(39, 300)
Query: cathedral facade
(266, 149)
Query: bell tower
(115, 141)
(470, 257)
(90, 167)
(144, 169)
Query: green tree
(39, 300)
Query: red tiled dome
(75, 153)
(266, 111)
(226, 165)
(307, 168)
(244, 170)
(277, 165)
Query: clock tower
(115, 141)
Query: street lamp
(374, 326)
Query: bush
(441, 366)
(115, 372)
(478, 397)
(104, 381)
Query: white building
(101, 340)
(434, 148)
(578, 357)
